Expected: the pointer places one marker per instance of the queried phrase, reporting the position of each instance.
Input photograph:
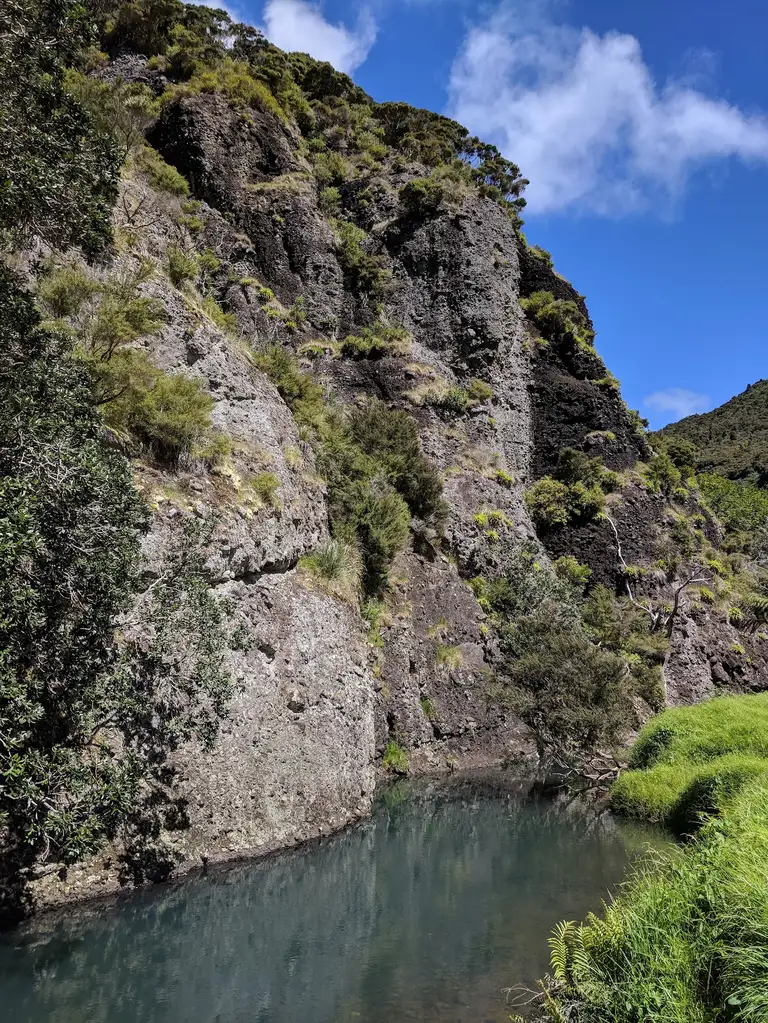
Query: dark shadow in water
(427, 912)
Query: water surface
(427, 912)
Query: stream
(431, 911)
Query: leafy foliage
(86, 722)
(58, 173)
(559, 321)
(377, 474)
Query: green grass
(395, 759)
(697, 734)
(687, 940)
(690, 762)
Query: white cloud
(300, 25)
(678, 402)
(583, 117)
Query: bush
(234, 80)
(548, 502)
(422, 196)
(377, 341)
(329, 201)
(573, 694)
(338, 564)
(568, 568)
(479, 391)
(395, 759)
(182, 266)
(169, 415)
(379, 518)
(364, 273)
(64, 290)
(59, 172)
(559, 321)
(266, 485)
(331, 170)
(391, 439)
(662, 476)
(161, 176)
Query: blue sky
(643, 126)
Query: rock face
(319, 704)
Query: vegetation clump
(377, 474)
(561, 322)
(685, 940)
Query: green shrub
(395, 759)
(338, 564)
(548, 502)
(479, 390)
(448, 656)
(504, 478)
(364, 272)
(374, 615)
(391, 439)
(380, 520)
(266, 485)
(169, 415)
(160, 174)
(428, 707)
(377, 341)
(422, 196)
(64, 290)
(453, 400)
(329, 201)
(182, 266)
(662, 476)
(234, 80)
(559, 321)
(568, 568)
(331, 170)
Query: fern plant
(568, 956)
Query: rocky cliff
(324, 696)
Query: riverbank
(687, 941)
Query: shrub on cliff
(169, 415)
(552, 503)
(559, 321)
(87, 719)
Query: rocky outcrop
(319, 701)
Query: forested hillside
(732, 440)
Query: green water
(427, 912)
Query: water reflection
(425, 913)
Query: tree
(58, 174)
(88, 718)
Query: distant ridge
(732, 440)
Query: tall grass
(687, 939)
